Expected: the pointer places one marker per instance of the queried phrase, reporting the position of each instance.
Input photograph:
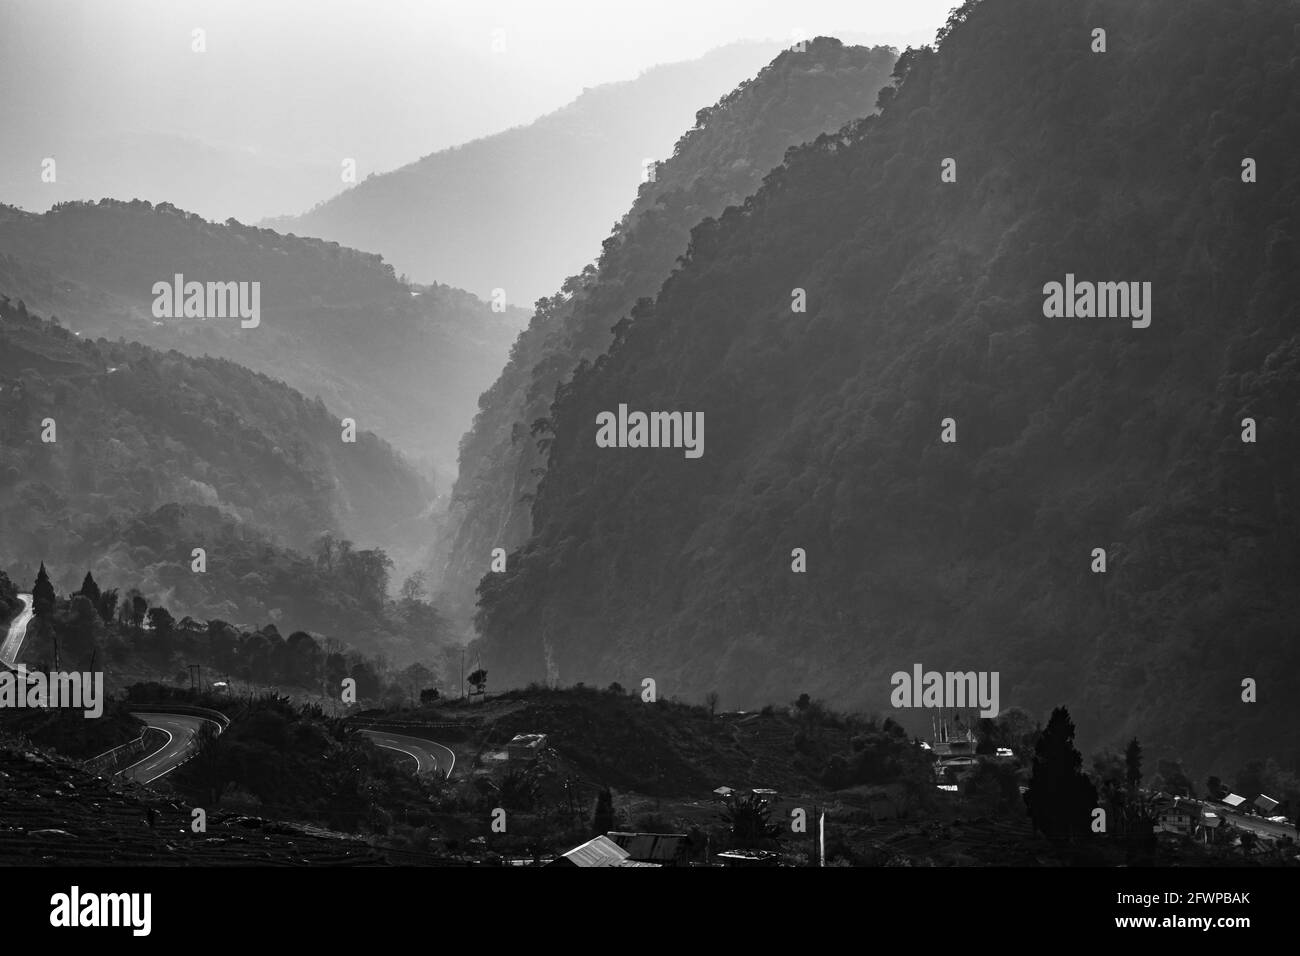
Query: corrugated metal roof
(599, 851)
(1265, 802)
(1233, 800)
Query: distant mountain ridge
(405, 361)
(523, 208)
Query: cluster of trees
(1063, 793)
(1063, 798)
(106, 625)
(332, 586)
(924, 302)
(1045, 778)
(716, 164)
(879, 755)
(295, 762)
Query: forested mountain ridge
(925, 301)
(520, 209)
(90, 430)
(405, 361)
(717, 163)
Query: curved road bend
(13, 642)
(182, 732)
(428, 756)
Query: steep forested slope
(407, 362)
(926, 302)
(90, 430)
(717, 163)
(521, 209)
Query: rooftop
(598, 851)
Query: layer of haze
(259, 123)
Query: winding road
(182, 737)
(429, 756)
(13, 642)
(182, 730)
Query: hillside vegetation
(717, 163)
(123, 460)
(924, 302)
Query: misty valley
(354, 502)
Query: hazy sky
(295, 82)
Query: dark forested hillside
(926, 301)
(521, 209)
(93, 430)
(407, 362)
(717, 163)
